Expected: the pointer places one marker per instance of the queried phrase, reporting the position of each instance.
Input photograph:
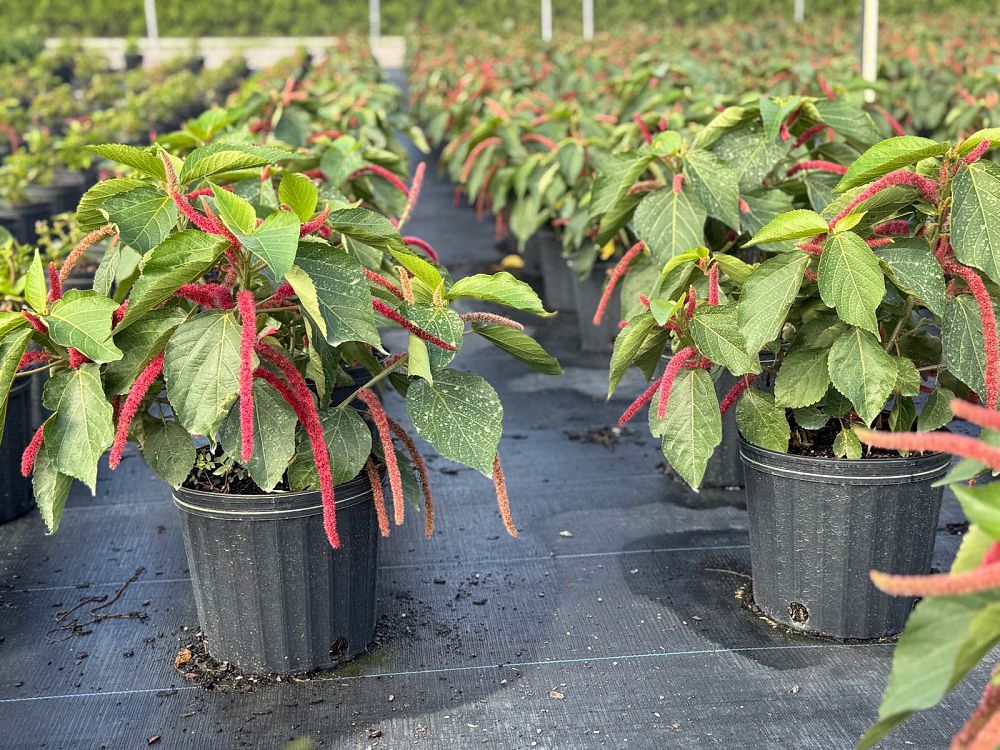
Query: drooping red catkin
(809, 133)
(55, 283)
(478, 149)
(76, 358)
(620, 269)
(31, 452)
(735, 392)
(691, 303)
(332, 134)
(988, 418)
(744, 206)
(678, 183)
(381, 420)
(647, 137)
(423, 477)
(713, 284)
(30, 359)
(669, 375)
(977, 153)
(643, 186)
(383, 282)
(978, 724)
(503, 500)
(199, 220)
(897, 129)
(383, 309)
(280, 296)
(544, 140)
(810, 274)
(879, 242)
(299, 397)
(414, 196)
(926, 187)
(35, 322)
(378, 496)
(824, 86)
(819, 165)
(405, 286)
(423, 245)
(939, 584)
(131, 405)
(83, 246)
(248, 337)
(209, 296)
(635, 406)
(959, 445)
(491, 319)
(892, 228)
(314, 225)
(119, 314)
(170, 174)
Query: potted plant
(220, 365)
(19, 209)
(133, 55)
(954, 627)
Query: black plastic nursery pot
(558, 278)
(588, 293)
(16, 497)
(133, 60)
(359, 376)
(272, 596)
(62, 194)
(20, 220)
(819, 525)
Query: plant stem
(375, 379)
(910, 302)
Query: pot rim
(926, 466)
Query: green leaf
(440, 321)
(981, 505)
(500, 288)
(975, 218)
(520, 346)
(907, 377)
(861, 370)
(51, 489)
(12, 346)
(716, 333)
(669, 223)
(936, 412)
(36, 293)
(145, 216)
(792, 225)
(774, 112)
(993, 134)
(349, 441)
(418, 364)
(143, 160)
(847, 445)
(81, 429)
(851, 280)
(974, 546)
(912, 267)
(89, 212)
(628, 344)
(887, 156)
(751, 153)
(460, 415)
(275, 241)
(903, 414)
(617, 174)
(202, 368)
(944, 638)
(962, 343)
(761, 422)
(767, 297)
(179, 259)
(216, 158)
(764, 206)
(803, 379)
(299, 193)
(734, 268)
(367, 227)
(169, 451)
(810, 418)
(715, 185)
(692, 427)
(82, 320)
(420, 268)
(274, 424)
(235, 212)
(848, 120)
(333, 288)
(139, 344)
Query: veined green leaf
(501, 288)
(273, 436)
(761, 422)
(717, 335)
(767, 297)
(887, 156)
(861, 370)
(82, 320)
(850, 280)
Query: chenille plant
(224, 347)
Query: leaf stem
(375, 379)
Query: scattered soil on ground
(608, 436)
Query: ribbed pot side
(818, 526)
(272, 595)
(588, 293)
(558, 278)
(16, 496)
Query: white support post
(800, 11)
(374, 19)
(869, 44)
(152, 28)
(546, 20)
(588, 20)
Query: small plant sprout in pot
(877, 312)
(218, 359)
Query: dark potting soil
(819, 443)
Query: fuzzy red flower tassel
(55, 283)
(378, 496)
(959, 445)
(713, 284)
(315, 224)
(620, 269)
(35, 323)
(669, 375)
(819, 165)
(422, 474)
(809, 133)
(491, 319)
(635, 406)
(411, 201)
(977, 415)
(735, 392)
(381, 421)
(385, 174)
(31, 452)
(544, 140)
(83, 246)
(131, 405)
(892, 228)
(423, 245)
(248, 337)
(383, 309)
(647, 137)
(383, 282)
(478, 149)
(927, 188)
(503, 500)
(977, 153)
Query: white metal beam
(869, 45)
(588, 20)
(546, 20)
